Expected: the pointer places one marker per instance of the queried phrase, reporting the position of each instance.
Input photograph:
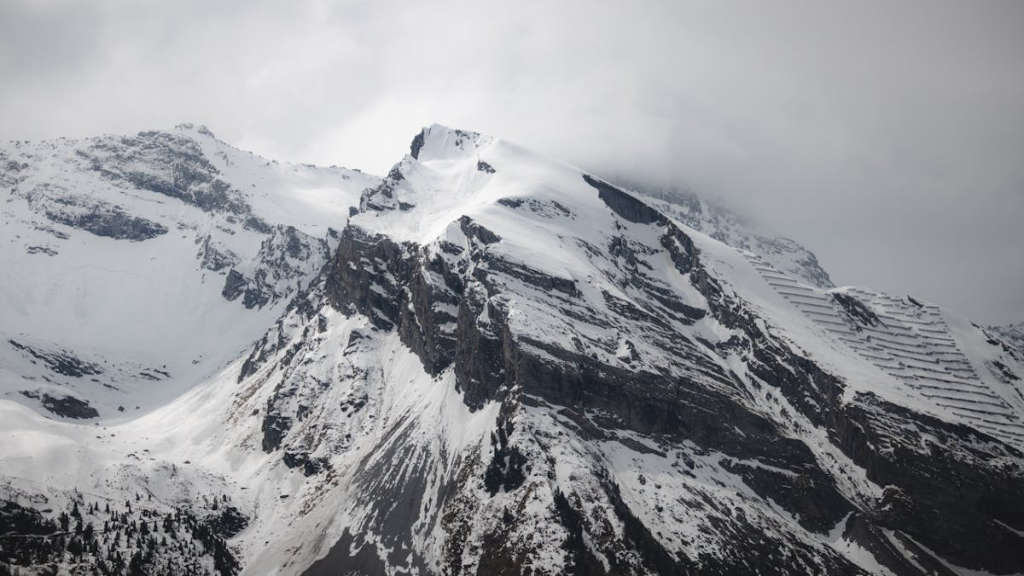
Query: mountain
(139, 266)
(486, 362)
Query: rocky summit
(486, 362)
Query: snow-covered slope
(1012, 335)
(724, 225)
(509, 366)
(135, 267)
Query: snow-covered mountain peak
(194, 129)
(488, 362)
(438, 142)
(449, 173)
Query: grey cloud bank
(888, 137)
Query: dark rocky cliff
(948, 490)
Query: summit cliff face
(489, 362)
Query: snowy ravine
(487, 362)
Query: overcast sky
(886, 136)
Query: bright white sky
(886, 136)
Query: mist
(887, 137)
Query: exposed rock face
(66, 406)
(92, 215)
(168, 164)
(40, 250)
(856, 310)
(212, 256)
(112, 223)
(59, 361)
(285, 261)
(623, 204)
(417, 144)
(234, 285)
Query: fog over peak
(888, 138)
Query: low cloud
(888, 137)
